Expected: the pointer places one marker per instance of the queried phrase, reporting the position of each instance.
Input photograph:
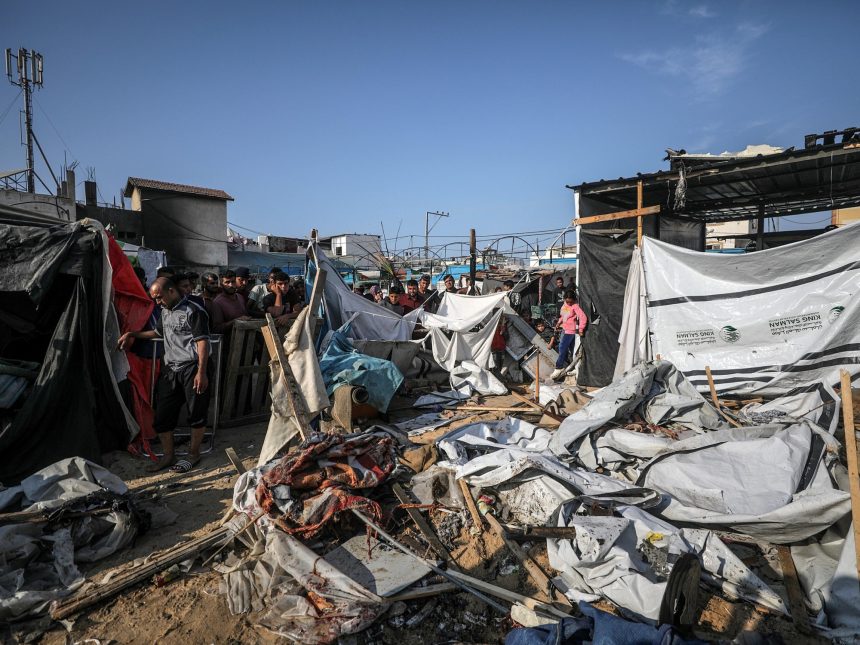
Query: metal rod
(492, 603)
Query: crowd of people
(191, 307)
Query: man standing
(411, 300)
(467, 290)
(184, 326)
(229, 306)
(185, 286)
(211, 289)
(448, 281)
(558, 292)
(431, 296)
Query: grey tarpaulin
(39, 561)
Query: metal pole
(472, 258)
(28, 115)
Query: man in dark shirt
(558, 292)
(448, 281)
(211, 289)
(411, 300)
(282, 299)
(185, 285)
(229, 306)
(431, 296)
(184, 326)
(244, 282)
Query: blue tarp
(343, 365)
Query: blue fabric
(600, 628)
(564, 348)
(343, 365)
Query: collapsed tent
(57, 310)
(779, 323)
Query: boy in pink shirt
(572, 321)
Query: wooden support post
(470, 504)
(759, 234)
(423, 526)
(716, 400)
(276, 351)
(537, 574)
(792, 588)
(525, 399)
(639, 210)
(537, 380)
(851, 459)
(316, 297)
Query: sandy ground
(190, 610)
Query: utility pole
(428, 228)
(29, 65)
(473, 252)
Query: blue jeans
(565, 347)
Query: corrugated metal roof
(185, 189)
(787, 183)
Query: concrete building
(717, 234)
(60, 206)
(357, 249)
(188, 222)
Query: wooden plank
(237, 463)
(510, 596)
(125, 579)
(479, 408)
(470, 504)
(261, 394)
(639, 213)
(317, 292)
(609, 217)
(551, 532)
(792, 588)
(428, 533)
(851, 459)
(716, 400)
(537, 574)
(526, 400)
(233, 362)
(273, 342)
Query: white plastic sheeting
(464, 353)
(606, 559)
(633, 338)
(779, 323)
(302, 358)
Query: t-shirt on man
(225, 309)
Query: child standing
(572, 321)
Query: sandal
(184, 465)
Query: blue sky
(340, 115)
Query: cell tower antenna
(26, 73)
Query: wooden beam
(276, 351)
(423, 526)
(608, 217)
(792, 588)
(470, 504)
(851, 458)
(537, 574)
(316, 297)
(639, 213)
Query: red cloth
(133, 307)
(498, 344)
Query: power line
(44, 112)
(9, 107)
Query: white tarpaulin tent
(779, 323)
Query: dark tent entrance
(56, 316)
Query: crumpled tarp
(300, 353)
(460, 350)
(341, 365)
(315, 481)
(39, 559)
(657, 388)
(300, 595)
(619, 558)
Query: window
(338, 250)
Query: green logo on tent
(834, 313)
(730, 334)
